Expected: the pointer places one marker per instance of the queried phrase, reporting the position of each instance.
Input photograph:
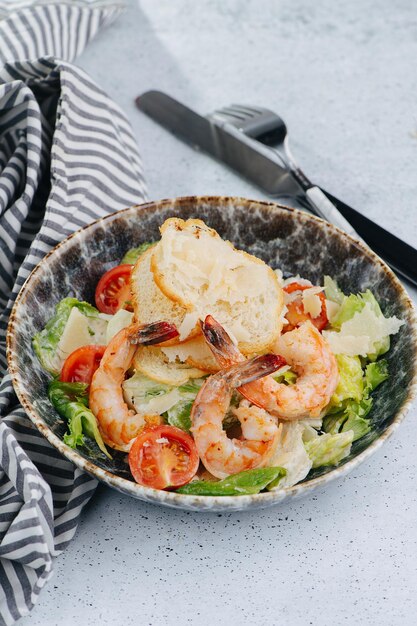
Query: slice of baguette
(199, 271)
(195, 352)
(151, 361)
(149, 303)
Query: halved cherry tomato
(113, 290)
(296, 314)
(81, 364)
(163, 457)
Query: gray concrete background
(343, 76)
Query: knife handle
(327, 210)
(397, 253)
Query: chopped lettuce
(329, 449)
(133, 254)
(70, 400)
(360, 327)
(351, 383)
(288, 377)
(291, 454)
(375, 374)
(46, 342)
(332, 291)
(351, 402)
(174, 403)
(180, 415)
(243, 483)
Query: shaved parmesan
(297, 279)
(80, 331)
(311, 301)
(188, 324)
(360, 334)
(332, 309)
(119, 320)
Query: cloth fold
(67, 157)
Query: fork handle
(328, 211)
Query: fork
(270, 129)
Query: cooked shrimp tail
(219, 342)
(248, 371)
(223, 348)
(149, 334)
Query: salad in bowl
(210, 372)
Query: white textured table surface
(344, 78)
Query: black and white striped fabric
(67, 156)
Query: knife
(258, 163)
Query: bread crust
(273, 289)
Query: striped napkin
(67, 157)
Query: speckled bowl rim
(207, 503)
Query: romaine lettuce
(291, 454)
(332, 291)
(351, 402)
(174, 403)
(247, 482)
(46, 341)
(288, 377)
(329, 449)
(70, 401)
(375, 374)
(360, 328)
(351, 382)
(133, 254)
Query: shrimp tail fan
(150, 334)
(255, 368)
(219, 342)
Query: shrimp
(118, 424)
(309, 356)
(220, 455)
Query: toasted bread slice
(199, 271)
(151, 361)
(195, 352)
(149, 303)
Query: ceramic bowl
(294, 241)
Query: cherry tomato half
(81, 364)
(163, 457)
(296, 314)
(113, 290)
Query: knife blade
(258, 163)
(222, 141)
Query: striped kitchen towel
(67, 157)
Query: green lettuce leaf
(45, 342)
(348, 408)
(70, 401)
(332, 291)
(375, 374)
(243, 483)
(355, 304)
(350, 305)
(180, 415)
(329, 449)
(288, 377)
(173, 403)
(133, 254)
(351, 383)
